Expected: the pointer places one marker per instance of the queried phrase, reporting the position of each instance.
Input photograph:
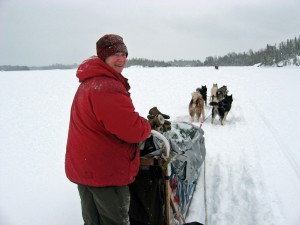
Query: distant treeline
(155, 63)
(13, 68)
(286, 53)
(55, 66)
(51, 67)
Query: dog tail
(213, 103)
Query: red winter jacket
(104, 129)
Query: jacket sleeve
(116, 112)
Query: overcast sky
(45, 32)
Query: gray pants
(104, 205)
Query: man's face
(117, 61)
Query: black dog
(222, 109)
(203, 92)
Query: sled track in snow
(284, 150)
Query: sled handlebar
(167, 147)
(164, 139)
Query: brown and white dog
(196, 107)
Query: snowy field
(252, 163)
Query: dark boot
(167, 122)
(166, 127)
(154, 111)
(150, 117)
(157, 121)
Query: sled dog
(196, 107)
(203, 92)
(213, 94)
(222, 93)
(222, 109)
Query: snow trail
(252, 163)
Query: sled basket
(169, 171)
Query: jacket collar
(95, 67)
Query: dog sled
(171, 163)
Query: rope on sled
(205, 203)
(204, 183)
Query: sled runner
(170, 167)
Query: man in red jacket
(102, 154)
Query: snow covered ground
(252, 163)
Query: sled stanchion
(167, 173)
(168, 196)
(168, 188)
(175, 209)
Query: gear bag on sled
(170, 167)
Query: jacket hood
(95, 67)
